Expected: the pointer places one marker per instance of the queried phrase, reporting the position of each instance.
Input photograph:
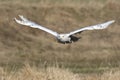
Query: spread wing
(26, 22)
(94, 27)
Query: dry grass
(96, 52)
(54, 73)
(33, 73)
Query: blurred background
(97, 50)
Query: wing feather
(94, 27)
(26, 22)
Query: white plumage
(63, 38)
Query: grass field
(95, 57)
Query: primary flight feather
(63, 38)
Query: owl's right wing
(26, 22)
